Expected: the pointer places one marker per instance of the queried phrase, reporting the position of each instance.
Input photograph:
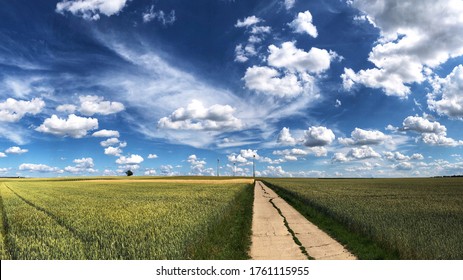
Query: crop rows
(412, 218)
(111, 220)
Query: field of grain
(407, 218)
(125, 219)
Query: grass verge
(230, 238)
(362, 247)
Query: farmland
(109, 218)
(384, 218)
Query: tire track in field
(55, 218)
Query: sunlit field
(128, 218)
(384, 218)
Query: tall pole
(234, 169)
(218, 161)
(254, 166)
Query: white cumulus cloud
(197, 117)
(106, 133)
(113, 151)
(90, 9)
(110, 142)
(150, 172)
(403, 166)
(248, 21)
(131, 160)
(447, 98)
(317, 136)
(303, 24)
(288, 56)
(432, 133)
(13, 110)
(422, 125)
(236, 158)
(243, 52)
(197, 166)
(92, 104)
(152, 156)
(364, 137)
(74, 126)
(16, 150)
(289, 72)
(269, 81)
(396, 156)
(285, 137)
(364, 152)
(439, 140)
(81, 165)
(289, 4)
(32, 167)
(356, 153)
(408, 28)
(417, 157)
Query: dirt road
(279, 232)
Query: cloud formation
(432, 133)
(285, 137)
(303, 24)
(296, 60)
(32, 167)
(13, 110)
(402, 55)
(81, 165)
(289, 4)
(197, 166)
(161, 16)
(74, 126)
(447, 97)
(90, 9)
(248, 21)
(289, 71)
(113, 151)
(92, 104)
(106, 133)
(364, 137)
(16, 150)
(197, 117)
(110, 142)
(131, 160)
(317, 136)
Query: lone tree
(129, 172)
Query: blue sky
(309, 88)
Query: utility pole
(218, 162)
(254, 166)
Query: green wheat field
(211, 218)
